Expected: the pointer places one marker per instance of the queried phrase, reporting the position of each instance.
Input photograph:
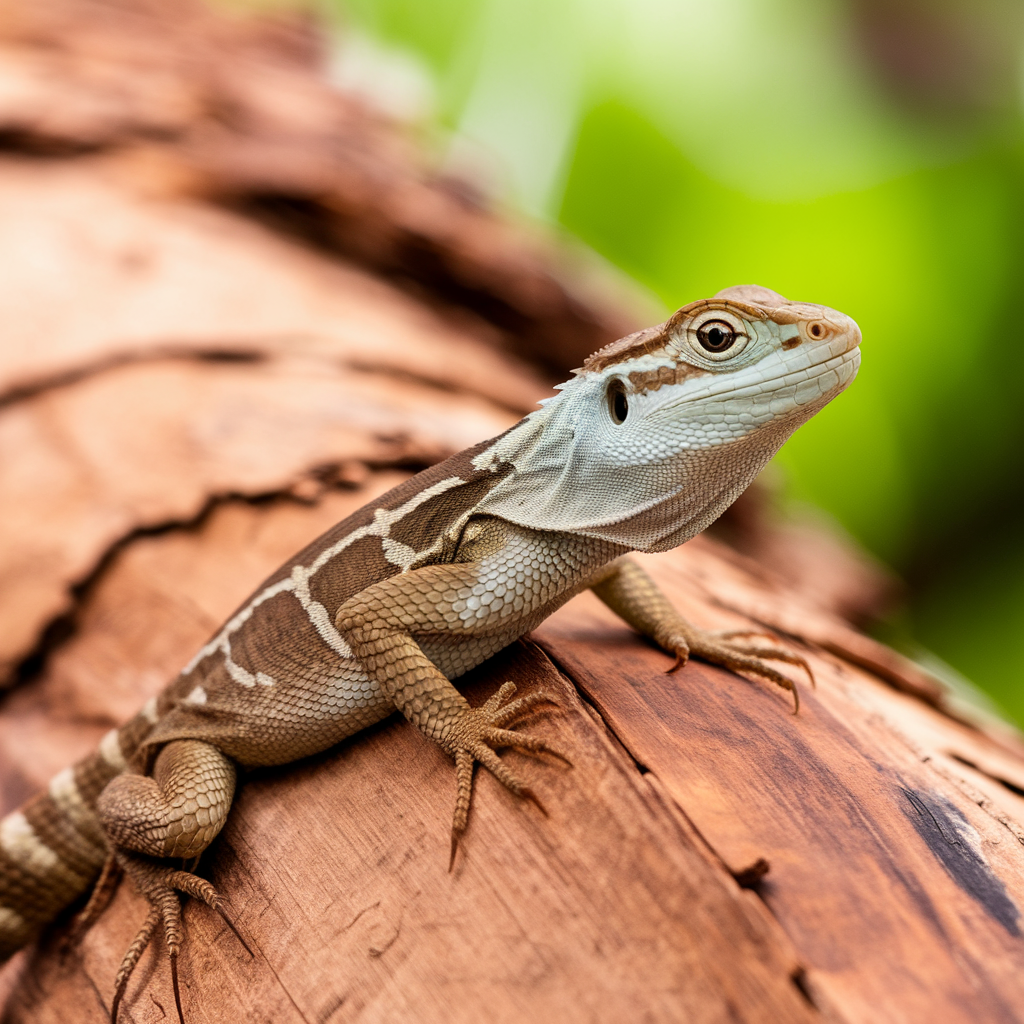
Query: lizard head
(659, 432)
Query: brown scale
(78, 844)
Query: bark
(193, 388)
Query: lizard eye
(618, 404)
(716, 336)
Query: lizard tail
(52, 847)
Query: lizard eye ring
(618, 403)
(716, 336)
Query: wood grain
(238, 304)
(900, 893)
(97, 271)
(159, 596)
(884, 874)
(241, 110)
(609, 909)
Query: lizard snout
(836, 329)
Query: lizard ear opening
(618, 403)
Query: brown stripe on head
(651, 380)
(640, 343)
(750, 301)
(764, 304)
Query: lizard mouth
(843, 367)
(783, 376)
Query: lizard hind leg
(176, 813)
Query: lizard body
(655, 436)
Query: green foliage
(974, 618)
(698, 145)
(901, 257)
(436, 31)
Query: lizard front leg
(380, 623)
(175, 813)
(635, 597)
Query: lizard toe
(744, 663)
(161, 885)
(517, 708)
(778, 654)
(751, 658)
(497, 699)
(528, 744)
(474, 737)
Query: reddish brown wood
(609, 907)
(98, 271)
(146, 489)
(156, 597)
(240, 110)
(900, 893)
(895, 871)
(146, 444)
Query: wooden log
(187, 397)
(241, 111)
(142, 445)
(709, 853)
(897, 879)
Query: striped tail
(52, 847)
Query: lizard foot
(720, 648)
(475, 735)
(161, 885)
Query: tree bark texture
(237, 305)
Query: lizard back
(278, 681)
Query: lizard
(645, 446)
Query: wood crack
(59, 630)
(747, 878)
(215, 353)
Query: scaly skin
(647, 445)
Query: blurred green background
(866, 154)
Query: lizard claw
(478, 733)
(529, 794)
(719, 649)
(778, 654)
(682, 657)
(161, 885)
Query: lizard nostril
(817, 330)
